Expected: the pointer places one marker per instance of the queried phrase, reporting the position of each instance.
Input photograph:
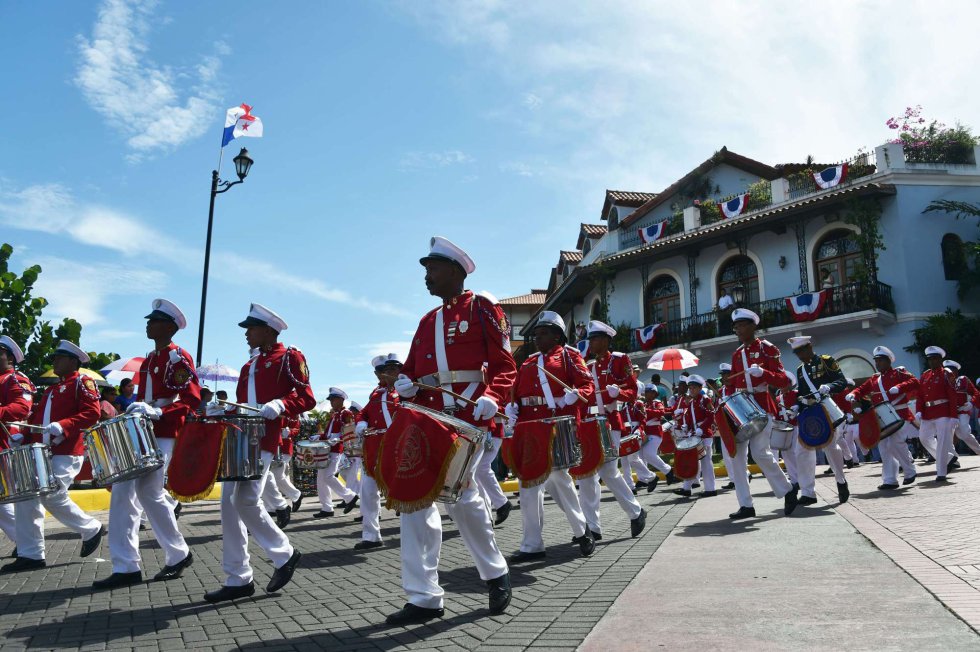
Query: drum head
(816, 430)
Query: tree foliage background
(21, 318)
(956, 333)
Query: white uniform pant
(327, 485)
(421, 542)
(590, 494)
(851, 440)
(928, 441)
(789, 458)
(707, 470)
(124, 518)
(965, 434)
(272, 498)
(762, 455)
(941, 430)
(806, 465)
(241, 515)
(650, 454)
(561, 487)
(729, 462)
(29, 514)
(485, 478)
(633, 463)
(370, 509)
(8, 524)
(350, 475)
(894, 454)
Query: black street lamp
(243, 163)
(738, 295)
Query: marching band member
(786, 404)
(449, 349)
(612, 376)
(537, 397)
(756, 366)
(16, 397)
(695, 414)
(819, 377)
(633, 414)
(67, 408)
(849, 441)
(936, 404)
(650, 453)
(168, 391)
(725, 374)
(967, 396)
(277, 380)
(326, 482)
(281, 497)
(894, 386)
(376, 415)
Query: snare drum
(609, 452)
(345, 462)
(630, 444)
(463, 462)
(889, 421)
(353, 444)
(565, 449)
(781, 437)
(241, 456)
(372, 444)
(745, 415)
(312, 454)
(25, 473)
(122, 448)
(685, 442)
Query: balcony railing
(843, 300)
(803, 183)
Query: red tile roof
(570, 256)
(624, 198)
(589, 231)
(534, 298)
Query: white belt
(941, 401)
(453, 376)
(532, 401)
(903, 406)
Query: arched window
(840, 255)
(856, 368)
(954, 257)
(662, 301)
(740, 271)
(596, 309)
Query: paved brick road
(338, 598)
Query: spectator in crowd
(222, 395)
(827, 279)
(126, 394)
(661, 390)
(206, 397)
(109, 395)
(580, 331)
(725, 302)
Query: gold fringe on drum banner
(407, 507)
(199, 449)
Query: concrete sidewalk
(806, 582)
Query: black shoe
(173, 572)
(177, 510)
(411, 615)
(296, 505)
(348, 507)
(696, 485)
(743, 512)
(634, 491)
(640, 484)
(843, 492)
(585, 543)
(595, 535)
(683, 492)
(941, 478)
(653, 484)
(954, 463)
(284, 573)
(906, 481)
(828, 471)
(89, 545)
(638, 523)
(118, 579)
(367, 545)
(849, 464)
(887, 487)
(730, 485)
(790, 500)
(806, 500)
(796, 486)
(502, 513)
(282, 517)
(499, 594)
(520, 556)
(23, 564)
(709, 494)
(671, 478)
(323, 514)
(930, 459)
(226, 593)
(358, 519)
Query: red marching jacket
(698, 413)
(75, 405)
(564, 362)
(764, 354)
(612, 369)
(654, 412)
(907, 384)
(380, 408)
(966, 391)
(16, 396)
(175, 387)
(280, 373)
(335, 428)
(785, 402)
(936, 397)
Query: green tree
(21, 319)
(956, 333)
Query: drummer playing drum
(695, 414)
(449, 349)
(16, 396)
(563, 391)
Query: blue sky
(496, 124)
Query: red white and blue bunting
(647, 336)
(655, 232)
(807, 307)
(830, 177)
(734, 207)
(583, 347)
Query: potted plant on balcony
(925, 141)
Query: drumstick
(556, 379)
(451, 393)
(239, 405)
(29, 426)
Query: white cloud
(400, 347)
(431, 160)
(155, 107)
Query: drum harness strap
(442, 364)
(384, 408)
(545, 384)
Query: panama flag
(647, 336)
(830, 177)
(807, 307)
(651, 233)
(240, 122)
(734, 207)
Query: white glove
(857, 410)
(849, 418)
(405, 387)
(360, 427)
(152, 412)
(16, 437)
(512, 410)
(756, 371)
(613, 391)
(484, 409)
(137, 407)
(918, 416)
(795, 410)
(571, 397)
(272, 410)
(333, 441)
(824, 389)
(893, 390)
(678, 413)
(967, 406)
(698, 432)
(851, 397)
(175, 356)
(314, 437)
(55, 432)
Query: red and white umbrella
(116, 370)
(672, 360)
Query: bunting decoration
(647, 336)
(655, 232)
(807, 307)
(830, 177)
(734, 207)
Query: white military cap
(378, 361)
(599, 328)
(167, 311)
(393, 358)
(799, 342)
(259, 315)
(724, 366)
(442, 249)
(952, 364)
(67, 348)
(935, 350)
(12, 347)
(650, 387)
(550, 318)
(336, 391)
(695, 379)
(744, 314)
(354, 405)
(883, 352)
